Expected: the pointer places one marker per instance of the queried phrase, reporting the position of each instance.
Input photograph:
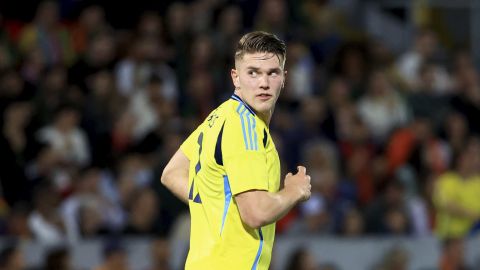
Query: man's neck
(266, 117)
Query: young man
(228, 169)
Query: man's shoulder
(229, 107)
(232, 114)
(228, 110)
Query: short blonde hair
(259, 41)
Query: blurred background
(382, 105)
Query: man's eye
(252, 73)
(274, 73)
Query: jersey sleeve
(190, 145)
(243, 157)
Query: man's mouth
(264, 96)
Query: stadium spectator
(49, 35)
(453, 255)
(11, 257)
(144, 60)
(396, 258)
(143, 209)
(456, 132)
(16, 148)
(99, 115)
(425, 101)
(388, 214)
(353, 224)
(229, 28)
(161, 254)
(90, 23)
(17, 222)
(115, 256)
(425, 48)
(456, 194)
(86, 212)
(66, 137)
(58, 259)
(100, 54)
(45, 221)
(8, 52)
(301, 70)
(53, 91)
(381, 108)
(301, 259)
(466, 99)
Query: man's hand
(299, 184)
(259, 207)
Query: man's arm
(175, 175)
(259, 208)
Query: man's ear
(284, 78)
(235, 79)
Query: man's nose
(264, 83)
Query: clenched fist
(299, 184)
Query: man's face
(258, 79)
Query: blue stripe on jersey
(250, 137)
(237, 98)
(199, 165)
(243, 123)
(252, 132)
(197, 199)
(255, 133)
(228, 197)
(190, 194)
(259, 252)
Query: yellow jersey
(230, 152)
(450, 187)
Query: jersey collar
(237, 98)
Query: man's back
(230, 152)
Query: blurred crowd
(91, 113)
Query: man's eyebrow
(275, 69)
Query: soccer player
(228, 169)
